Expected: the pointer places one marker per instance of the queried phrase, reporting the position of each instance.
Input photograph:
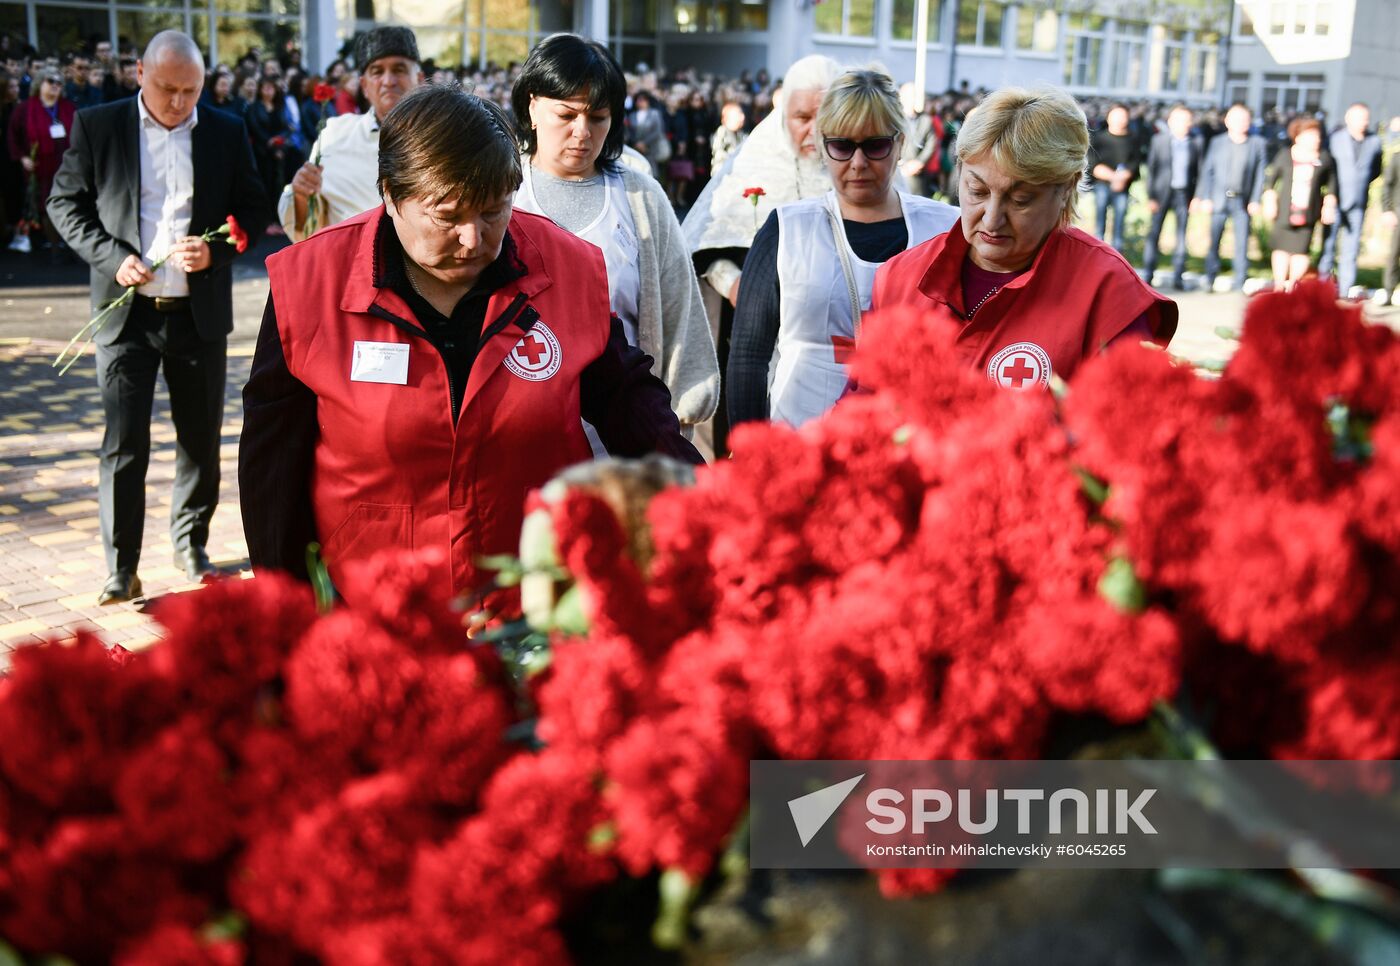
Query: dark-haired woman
(1300, 190)
(267, 126)
(422, 366)
(569, 104)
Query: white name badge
(57, 132)
(380, 362)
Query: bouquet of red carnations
(938, 569)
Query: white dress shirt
(167, 197)
(348, 152)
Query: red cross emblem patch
(1024, 365)
(536, 356)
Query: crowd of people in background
(685, 125)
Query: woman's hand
(1329, 210)
(1270, 205)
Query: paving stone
(18, 629)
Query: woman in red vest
(422, 366)
(1032, 296)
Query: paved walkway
(51, 564)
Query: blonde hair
(860, 100)
(1036, 136)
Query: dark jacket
(1278, 176)
(1212, 184)
(1358, 164)
(1159, 166)
(96, 198)
(1390, 185)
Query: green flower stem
(99, 321)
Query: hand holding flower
(133, 271)
(190, 254)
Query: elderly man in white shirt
(342, 176)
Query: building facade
(1284, 54)
(1316, 55)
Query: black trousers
(1180, 207)
(195, 371)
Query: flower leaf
(1120, 586)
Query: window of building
(1244, 23)
(1322, 22)
(1037, 28)
(1173, 57)
(980, 23)
(1237, 88)
(1287, 93)
(903, 24)
(1278, 17)
(64, 28)
(1129, 49)
(846, 18)
(717, 16)
(1083, 59)
(1202, 73)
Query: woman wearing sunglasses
(808, 276)
(1032, 297)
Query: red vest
(1077, 295)
(391, 469)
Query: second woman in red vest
(1032, 295)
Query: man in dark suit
(1231, 184)
(143, 178)
(1173, 168)
(1357, 153)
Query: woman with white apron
(811, 270)
(569, 102)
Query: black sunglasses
(874, 149)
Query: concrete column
(320, 43)
(786, 27)
(597, 21)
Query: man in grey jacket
(1357, 153)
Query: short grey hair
(172, 43)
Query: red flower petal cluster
(236, 235)
(937, 570)
(259, 760)
(1265, 503)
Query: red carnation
(349, 683)
(236, 235)
(533, 846)
(172, 944)
(348, 860)
(677, 787)
(323, 93)
(85, 890)
(176, 795)
(67, 715)
(233, 637)
(404, 594)
(753, 194)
